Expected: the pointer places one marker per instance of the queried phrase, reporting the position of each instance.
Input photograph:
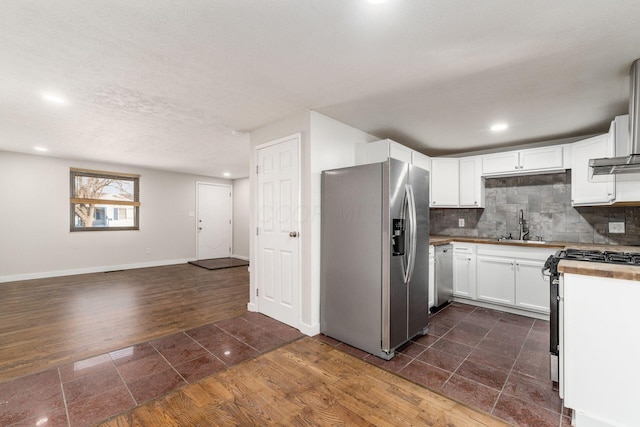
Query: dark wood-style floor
(48, 322)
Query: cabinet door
(541, 158)
(471, 182)
(500, 163)
(532, 288)
(586, 191)
(445, 182)
(462, 275)
(495, 279)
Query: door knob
(293, 234)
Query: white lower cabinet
(464, 271)
(495, 280)
(532, 289)
(512, 276)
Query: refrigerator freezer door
(350, 272)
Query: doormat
(217, 263)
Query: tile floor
(494, 361)
(91, 390)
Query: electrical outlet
(148, 251)
(461, 222)
(616, 227)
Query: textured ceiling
(164, 83)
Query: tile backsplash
(546, 203)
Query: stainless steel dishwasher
(443, 276)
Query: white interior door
(214, 221)
(278, 222)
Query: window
(104, 200)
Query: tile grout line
(169, 363)
(205, 349)
(64, 397)
(511, 370)
(135, 402)
(474, 347)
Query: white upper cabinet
(627, 185)
(445, 183)
(587, 190)
(380, 151)
(501, 163)
(530, 161)
(471, 183)
(456, 183)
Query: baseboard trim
(310, 330)
(88, 270)
(246, 258)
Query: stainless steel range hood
(630, 163)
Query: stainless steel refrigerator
(375, 255)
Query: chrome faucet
(524, 231)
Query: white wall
(241, 215)
(332, 146)
(326, 144)
(35, 240)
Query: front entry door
(214, 221)
(278, 222)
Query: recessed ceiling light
(499, 127)
(226, 174)
(54, 98)
(40, 149)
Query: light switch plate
(461, 222)
(616, 227)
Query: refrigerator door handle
(411, 258)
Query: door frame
(254, 300)
(195, 222)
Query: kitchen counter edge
(612, 271)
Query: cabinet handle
(516, 167)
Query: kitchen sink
(534, 242)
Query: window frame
(77, 172)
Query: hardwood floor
(306, 382)
(48, 322)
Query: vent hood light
(630, 163)
(499, 127)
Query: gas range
(551, 269)
(610, 257)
